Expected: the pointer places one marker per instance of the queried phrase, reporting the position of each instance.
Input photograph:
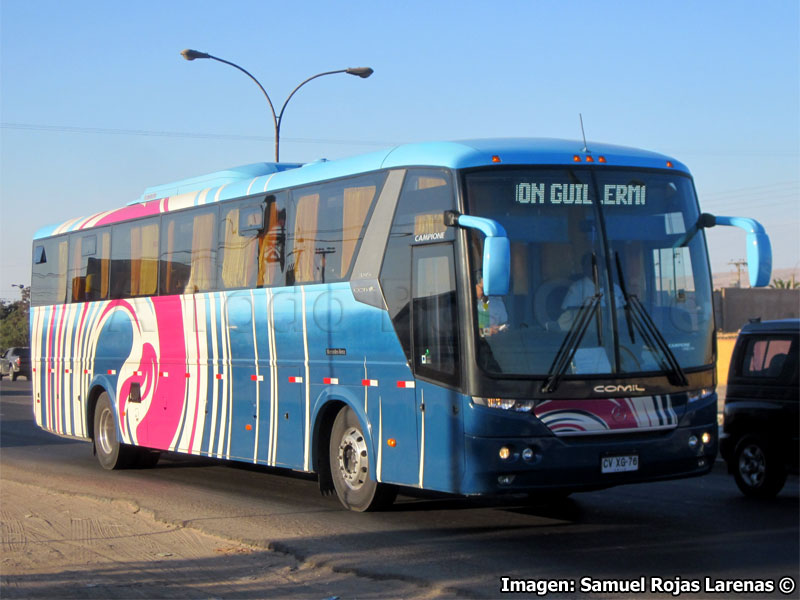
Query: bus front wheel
(349, 463)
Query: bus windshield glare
(602, 272)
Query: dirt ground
(60, 545)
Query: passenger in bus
(582, 289)
(492, 314)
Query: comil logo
(616, 389)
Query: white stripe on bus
(307, 442)
(422, 440)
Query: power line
(752, 195)
(184, 134)
(755, 188)
(791, 201)
(722, 199)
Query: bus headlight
(505, 403)
(696, 395)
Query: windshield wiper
(635, 314)
(598, 313)
(655, 340)
(625, 295)
(571, 342)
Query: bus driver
(582, 289)
(492, 314)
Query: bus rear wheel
(110, 453)
(349, 455)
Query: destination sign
(578, 193)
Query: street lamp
(362, 72)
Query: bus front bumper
(586, 463)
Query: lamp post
(362, 72)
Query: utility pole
(738, 264)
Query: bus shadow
(20, 432)
(421, 501)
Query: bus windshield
(604, 270)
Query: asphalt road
(692, 529)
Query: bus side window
(188, 251)
(134, 254)
(306, 209)
(253, 257)
(358, 200)
(88, 268)
(49, 277)
(272, 243)
(327, 224)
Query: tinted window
(134, 257)
(252, 251)
(766, 357)
(89, 264)
(434, 313)
(49, 276)
(326, 226)
(188, 250)
(577, 234)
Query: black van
(759, 441)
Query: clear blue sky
(96, 102)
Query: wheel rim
(353, 459)
(752, 465)
(106, 434)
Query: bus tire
(757, 468)
(355, 487)
(110, 453)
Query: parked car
(759, 441)
(15, 362)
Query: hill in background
(729, 279)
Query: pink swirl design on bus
(575, 417)
(156, 420)
(145, 375)
(162, 428)
(134, 211)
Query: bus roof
(264, 177)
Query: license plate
(618, 464)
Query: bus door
(435, 350)
(284, 410)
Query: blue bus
(475, 317)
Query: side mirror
(496, 251)
(759, 249)
(706, 220)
